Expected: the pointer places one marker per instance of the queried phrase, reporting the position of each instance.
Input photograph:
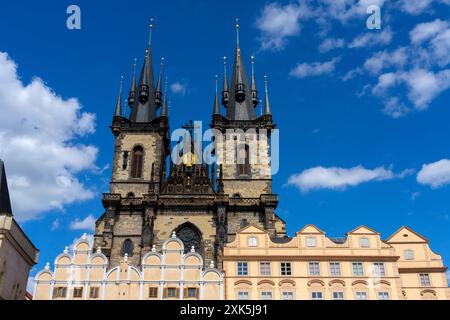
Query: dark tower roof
(146, 112)
(118, 112)
(165, 109)
(267, 103)
(240, 110)
(5, 203)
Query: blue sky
(360, 112)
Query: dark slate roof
(339, 240)
(145, 112)
(5, 203)
(240, 110)
(281, 240)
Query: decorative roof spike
(267, 104)
(158, 92)
(216, 109)
(211, 265)
(154, 248)
(125, 258)
(225, 90)
(5, 202)
(237, 31)
(47, 266)
(254, 91)
(174, 235)
(165, 110)
(84, 237)
(99, 249)
(192, 249)
(118, 111)
(150, 34)
(132, 93)
(66, 250)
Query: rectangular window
(358, 269)
(383, 295)
(93, 292)
(264, 269)
(425, 279)
(59, 292)
(316, 295)
(361, 295)
(311, 242)
(286, 269)
(314, 269)
(78, 292)
(153, 292)
(335, 269)
(338, 295)
(172, 292)
(243, 295)
(379, 269)
(242, 268)
(287, 295)
(266, 295)
(191, 293)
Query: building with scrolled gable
(83, 274)
(311, 266)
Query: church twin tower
(152, 197)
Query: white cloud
(338, 178)
(39, 142)
(416, 7)
(427, 30)
(385, 59)
(87, 223)
(278, 22)
(329, 44)
(303, 70)
(179, 88)
(372, 38)
(435, 174)
(423, 85)
(395, 108)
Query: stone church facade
(205, 205)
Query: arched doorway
(190, 235)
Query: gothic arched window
(137, 162)
(190, 237)
(127, 248)
(243, 160)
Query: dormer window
(311, 242)
(364, 243)
(252, 242)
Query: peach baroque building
(171, 275)
(310, 265)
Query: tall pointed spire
(225, 90)
(5, 202)
(216, 109)
(240, 105)
(145, 110)
(132, 93)
(165, 110)
(267, 103)
(158, 92)
(118, 112)
(254, 90)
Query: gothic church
(205, 205)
